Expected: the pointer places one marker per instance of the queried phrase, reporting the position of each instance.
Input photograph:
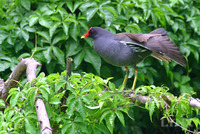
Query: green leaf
(45, 21)
(59, 54)
(151, 109)
(78, 59)
(105, 113)
(44, 92)
(74, 31)
(4, 65)
(196, 122)
(26, 4)
(54, 101)
(91, 12)
(70, 5)
(66, 27)
(106, 95)
(60, 84)
(30, 127)
(110, 122)
(72, 48)
(87, 5)
(33, 94)
(121, 117)
(81, 108)
(45, 35)
(2, 103)
(58, 38)
(53, 28)
(25, 35)
(112, 86)
(14, 99)
(48, 54)
(111, 9)
(102, 128)
(93, 58)
(66, 126)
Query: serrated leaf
(151, 109)
(110, 122)
(121, 117)
(93, 58)
(105, 113)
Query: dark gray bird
(128, 49)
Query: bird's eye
(91, 31)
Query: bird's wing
(159, 43)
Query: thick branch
(29, 65)
(194, 102)
(13, 78)
(43, 119)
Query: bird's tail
(164, 49)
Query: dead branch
(29, 65)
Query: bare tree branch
(69, 61)
(13, 78)
(43, 119)
(29, 65)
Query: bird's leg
(126, 77)
(135, 79)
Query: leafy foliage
(93, 105)
(50, 31)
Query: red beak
(86, 34)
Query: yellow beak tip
(82, 37)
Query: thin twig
(177, 123)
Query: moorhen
(128, 49)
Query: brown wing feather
(159, 43)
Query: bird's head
(89, 33)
